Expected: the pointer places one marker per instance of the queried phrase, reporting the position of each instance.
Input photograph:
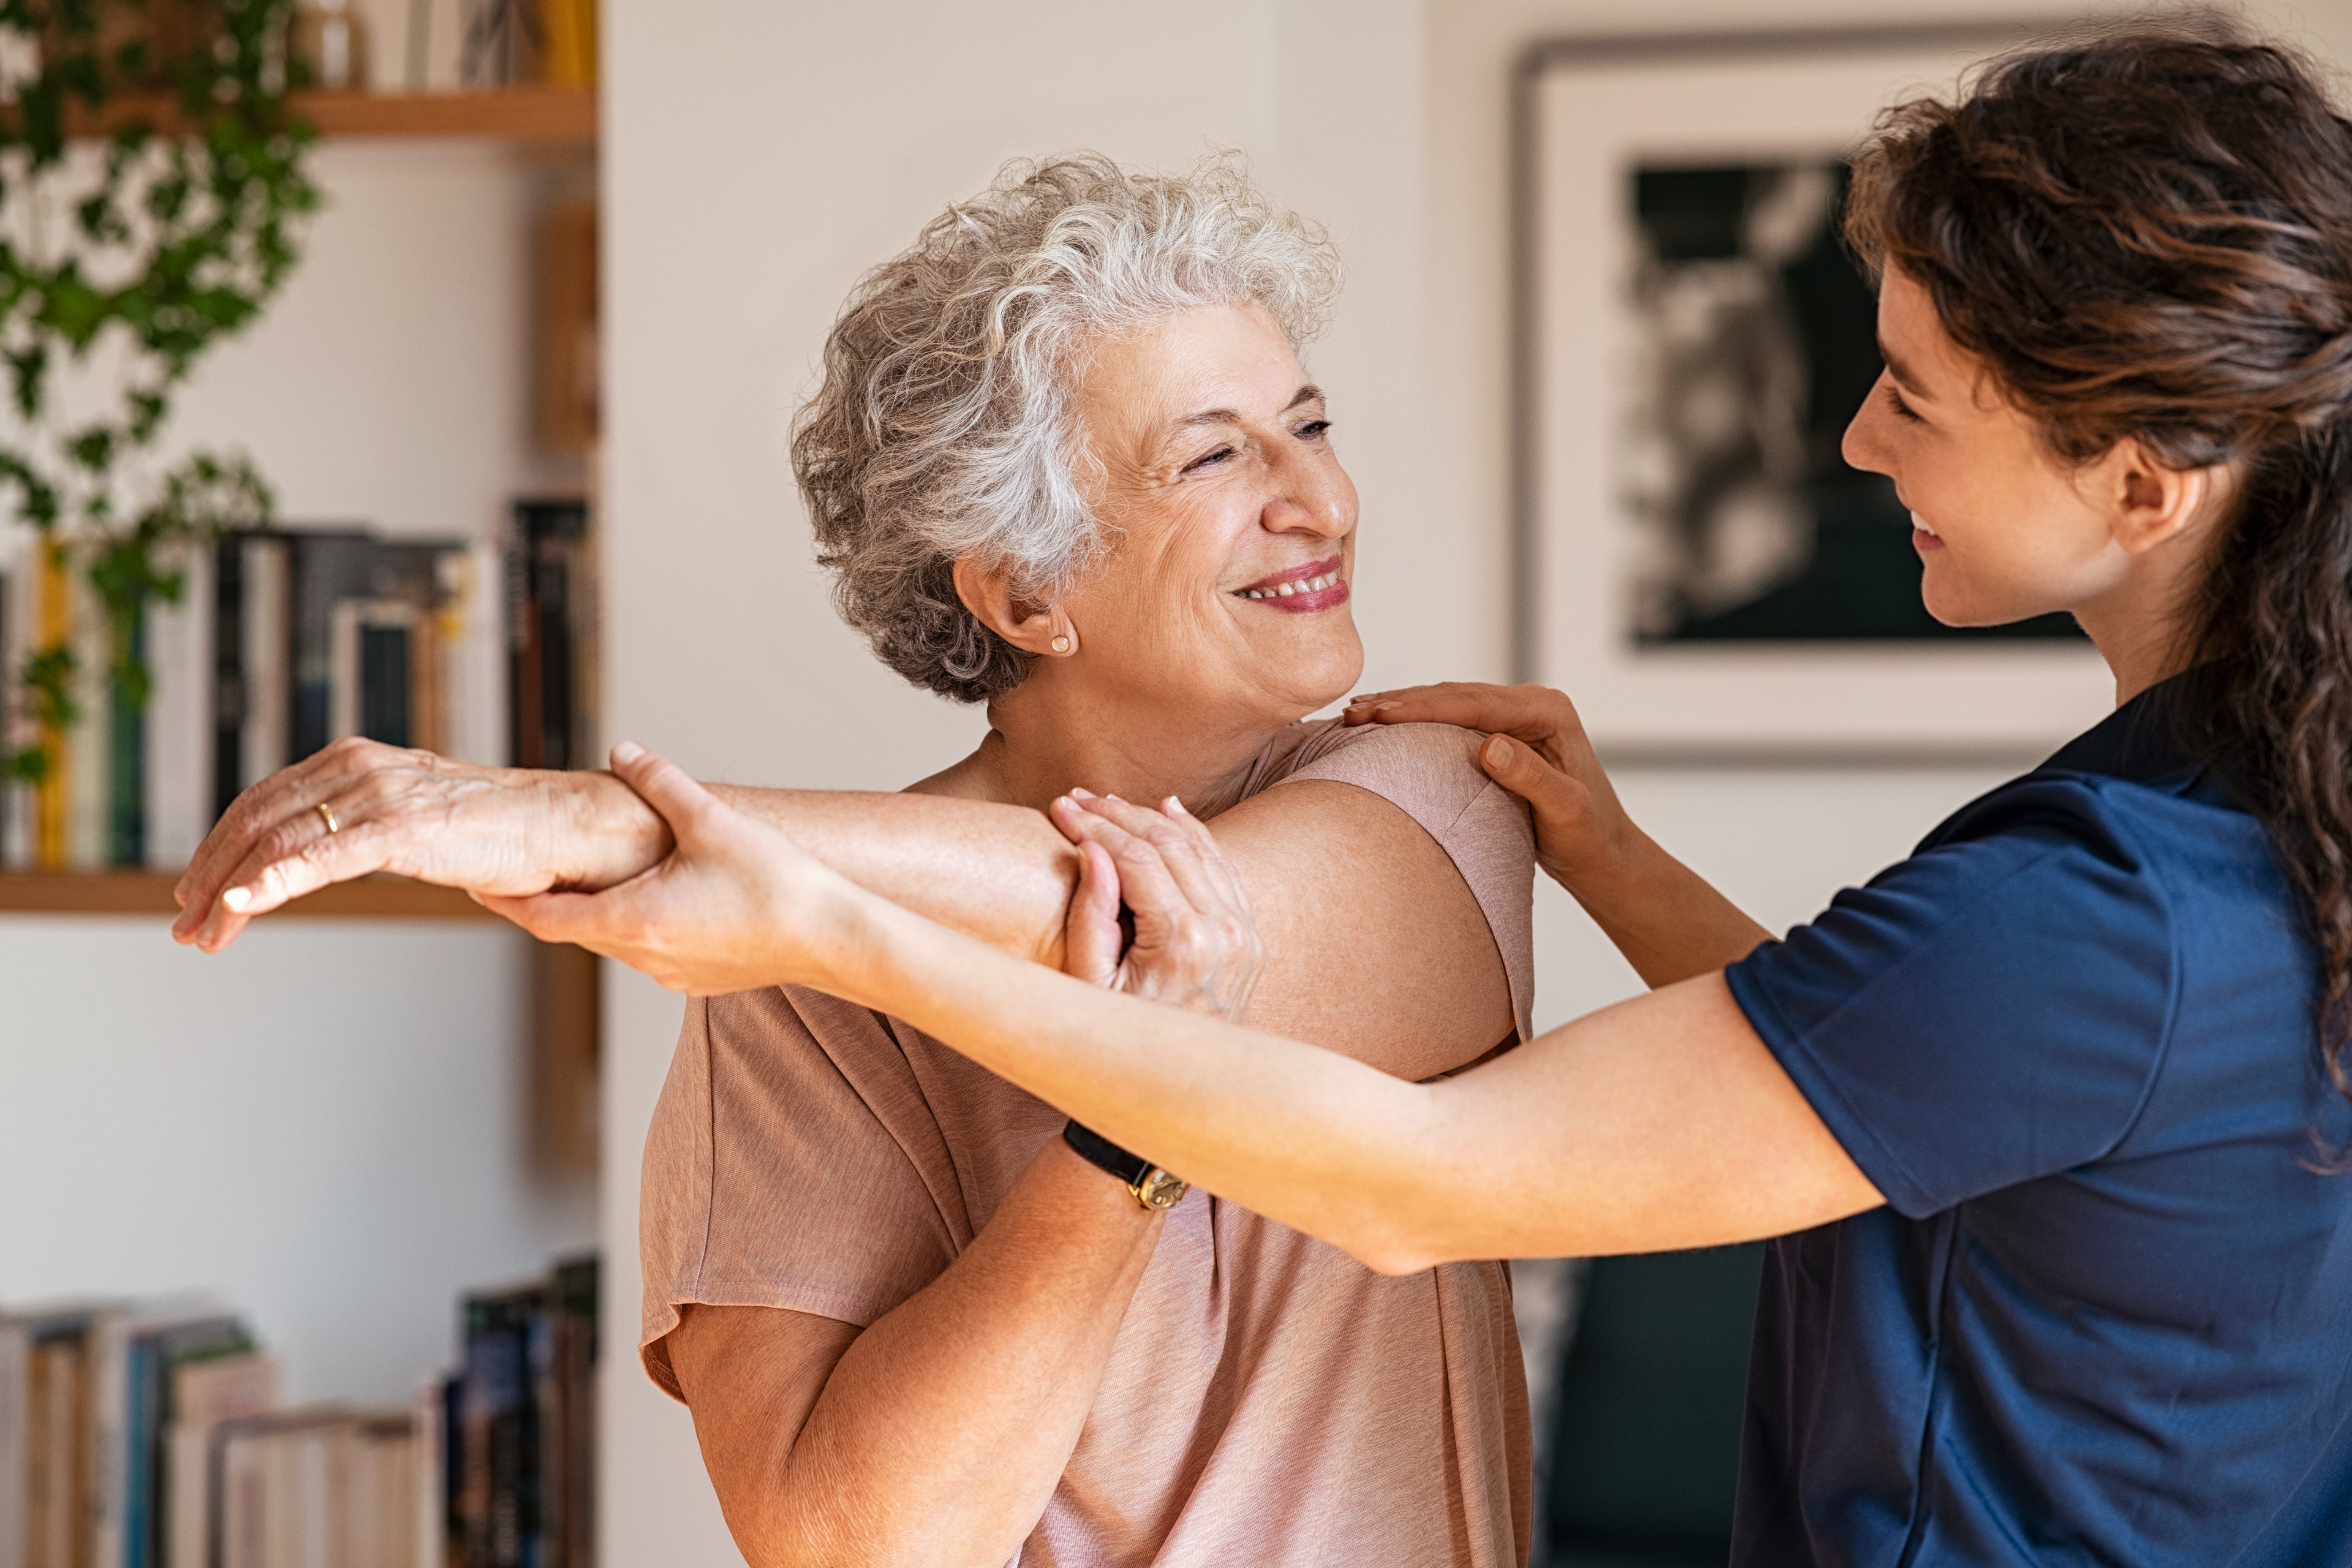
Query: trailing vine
(133, 257)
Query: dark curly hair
(2146, 232)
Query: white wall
(758, 157)
(327, 1123)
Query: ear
(2150, 503)
(1044, 630)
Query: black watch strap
(1099, 1150)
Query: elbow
(1392, 1248)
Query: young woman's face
(2004, 528)
(1225, 591)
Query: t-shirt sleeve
(1994, 1009)
(791, 1163)
(1430, 772)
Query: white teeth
(1920, 524)
(1296, 585)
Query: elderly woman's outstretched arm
(1377, 945)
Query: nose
(1311, 497)
(1865, 444)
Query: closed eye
(1209, 460)
(1902, 410)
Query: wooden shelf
(150, 893)
(543, 115)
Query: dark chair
(1646, 1452)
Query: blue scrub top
(2106, 1314)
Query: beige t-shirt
(1269, 1400)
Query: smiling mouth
(1316, 580)
(1921, 524)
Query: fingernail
(1172, 806)
(628, 752)
(1384, 706)
(238, 900)
(1114, 798)
(1498, 752)
(1082, 795)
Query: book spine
(474, 653)
(228, 688)
(266, 742)
(126, 741)
(109, 1438)
(141, 1370)
(16, 1356)
(90, 776)
(180, 650)
(53, 632)
(527, 725)
(428, 1501)
(18, 612)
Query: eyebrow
(1902, 373)
(1310, 392)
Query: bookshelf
(529, 114)
(150, 893)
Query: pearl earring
(1061, 645)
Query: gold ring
(329, 813)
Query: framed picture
(1698, 566)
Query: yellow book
(55, 630)
(569, 29)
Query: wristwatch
(1151, 1186)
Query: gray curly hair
(944, 425)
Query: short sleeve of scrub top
(1993, 1010)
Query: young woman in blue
(2047, 1121)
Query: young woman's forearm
(1663, 1122)
(1669, 922)
(942, 1431)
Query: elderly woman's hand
(734, 906)
(1583, 836)
(360, 807)
(1195, 946)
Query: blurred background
(346, 1124)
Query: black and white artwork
(1704, 571)
(1757, 342)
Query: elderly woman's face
(1226, 589)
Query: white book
(179, 785)
(284, 1490)
(205, 1395)
(267, 721)
(430, 1535)
(86, 778)
(473, 638)
(379, 1515)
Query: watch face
(1159, 1190)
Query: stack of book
(151, 1437)
(519, 1426)
(280, 641)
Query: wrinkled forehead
(1221, 365)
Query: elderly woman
(1064, 462)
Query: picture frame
(1695, 565)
